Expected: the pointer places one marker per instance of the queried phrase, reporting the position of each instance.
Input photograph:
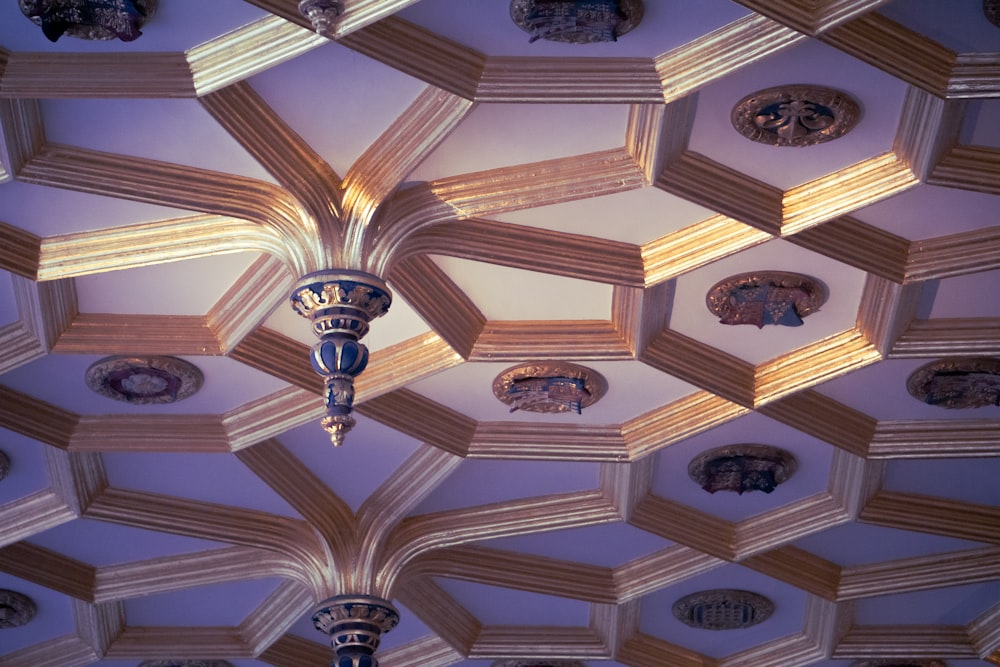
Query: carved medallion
(898, 662)
(766, 297)
(795, 115)
(4, 465)
(723, 609)
(549, 387)
(15, 609)
(321, 13)
(144, 380)
(89, 19)
(992, 10)
(576, 21)
(185, 663)
(957, 383)
(742, 468)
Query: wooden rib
(439, 301)
(20, 344)
(949, 336)
(859, 245)
(627, 307)
(886, 310)
(713, 185)
(420, 53)
(521, 247)
(280, 356)
(149, 433)
(659, 570)
(174, 573)
(974, 75)
(564, 80)
(625, 484)
(677, 421)
(984, 631)
(686, 525)
(812, 365)
(275, 616)
(165, 184)
(975, 168)
(64, 650)
(928, 126)
(293, 650)
(954, 255)
(76, 478)
(789, 523)
(49, 569)
(270, 416)
(248, 50)
(935, 439)
(423, 419)
(440, 612)
(811, 17)
(404, 363)
(511, 440)
(614, 623)
(391, 157)
(21, 128)
(824, 418)
(697, 245)
(579, 340)
(698, 63)
(281, 151)
(538, 642)
(53, 75)
(820, 631)
(701, 365)
(647, 651)
(19, 251)
(201, 643)
(308, 494)
(249, 301)
(538, 574)
(905, 641)
(940, 516)
(799, 568)
(32, 514)
(919, 574)
(99, 625)
(52, 305)
(895, 49)
(92, 333)
(428, 651)
(36, 419)
(643, 134)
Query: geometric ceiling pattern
(524, 202)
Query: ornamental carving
(321, 13)
(355, 624)
(742, 468)
(4, 465)
(89, 19)
(185, 663)
(992, 10)
(957, 383)
(897, 662)
(15, 609)
(766, 297)
(549, 387)
(723, 609)
(576, 21)
(795, 115)
(144, 380)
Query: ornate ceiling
(539, 203)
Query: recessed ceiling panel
(928, 211)
(692, 317)
(27, 468)
(863, 544)
(503, 135)
(971, 295)
(217, 605)
(957, 24)
(606, 545)
(976, 479)
(493, 605)
(979, 128)
(944, 606)
(53, 616)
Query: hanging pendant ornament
(355, 625)
(340, 305)
(321, 14)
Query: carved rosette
(185, 663)
(723, 609)
(4, 464)
(766, 297)
(340, 304)
(992, 10)
(321, 14)
(898, 662)
(15, 609)
(576, 21)
(144, 380)
(90, 19)
(957, 383)
(795, 115)
(742, 468)
(549, 387)
(355, 624)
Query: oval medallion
(723, 609)
(957, 383)
(549, 386)
(796, 115)
(144, 380)
(766, 297)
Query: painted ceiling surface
(525, 202)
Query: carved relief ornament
(796, 115)
(742, 468)
(723, 609)
(549, 387)
(766, 297)
(15, 609)
(957, 383)
(89, 19)
(4, 465)
(144, 380)
(576, 21)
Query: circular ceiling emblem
(549, 386)
(15, 609)
(4, 465)
(576, 21)
(957, 383)
(723, 609)
(87, 19)
(796, 115)
(144, 380)
(766, 297)
(742, 468)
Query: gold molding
(73, 75)
(930, 439)
(569, 80)
(939, 516)
(941, 337)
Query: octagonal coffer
(957, 383)
(741, 468)
(766, 297)
(723, 609)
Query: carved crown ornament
(723, 609)
(795, 115)
(4, 464)
(549, 387)
(576, 21)
(957, 383)
(355, 625)
(89, 19)
(144, 380)
(15, 609)
(766, 297)
(742, 468)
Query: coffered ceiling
(525, 202)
